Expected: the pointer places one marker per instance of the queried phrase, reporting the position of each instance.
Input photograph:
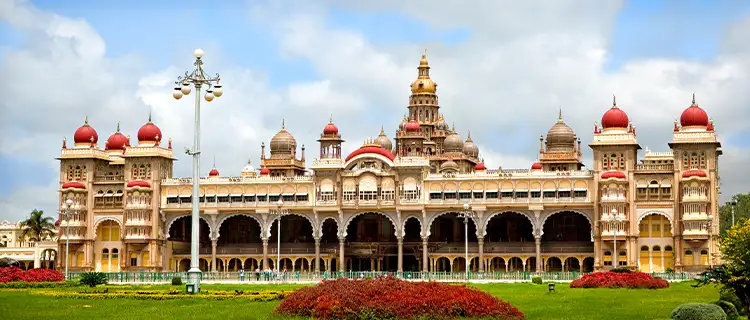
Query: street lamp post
(709, 224)
(279, 212)
(466, 214)
(732, 204)
(614, 219)
(66, 214)
(197, 78)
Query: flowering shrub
(14, 274)
(393, 299)
(105, 294)
(632, 280)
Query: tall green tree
(741, 205)
(37, 226)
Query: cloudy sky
(504, 68)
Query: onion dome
(73, 185)
(449, 165)
(138, 184)
(536, 166)
(58, 222)
(441, 124)
(694, 173)
(371, 148)
(423, 84)
(330, 128)
(213, 173)
(383, 140)
(413, 126)
(560, 137)
(479, 167)
(402, 125)
(85, 134)
(694, 116)
(265, 171)
(453, 143)
(149, 132)
(282, 143)
(249, 167)
(117, 141)
(613, 175)
(470, 149)
(615, 118)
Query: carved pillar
(342, 265)
(124, 256)
(480, 243)
(538, 242)
(677, 252)
(265, 254)
(317, 255)
(213, 255)
(597, 253)
(400, 254)
(425, 260)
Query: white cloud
(522, 61)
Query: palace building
(394, 203)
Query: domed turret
(480, 167)
(149, 133)
(383, 140)
(413, 126)
(85, 135)
(265, 171)
(453, 143)
(404, 122)
(560, 137)
(536, 166)
(423, 84)
(117, 141)
(283, 143)
(694, 116)
(249, 167)
(330, 128)
(615, 118)
(213, 173)
(441, 124)
(470, 149)
(449, 165)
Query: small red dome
(149, 132)
(85, 133)
(694, 173)
(73, 185)
(139, 184)
(479, 167)
(412, 126)
(613, 175)
(377, 149)
(536, 166)
(213, 173)
(330, 129)
(57, 223)
(615, 118)
(265, 171)
(694, 116)
(117, 141)
(710, 126)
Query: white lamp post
(66, 214)
(279, 212)
(732, 204)
(709, 224)
(198, 78)
(466, 214)
(614, 220)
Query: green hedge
(698, 311)
(40, 285)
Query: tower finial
(283, 126)
(559, 118)
(614, 101)
(330, 119)
(425, 52)
(149, 116)
(214, 161)
(86, 120)
(694, 98)
(118, 126)
(382, 130)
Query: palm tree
(38, 227)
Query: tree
(37, 226)
(734, 274)
(741, 211)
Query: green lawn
(533, 300)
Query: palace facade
(394, 203)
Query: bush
(728, 295)
(390, 298)
(8, 262)
(632, 280)
(669, 270)
(39, 285)
(105, 294)
(698, 311)
(728, 308)
(176, 281)
(536, 280)
(13, 274)
(93, 279)
(621, 270)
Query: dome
(613, 175)
(383, 140)
(453, 143)
(371, 148)
(265, 171)
(73, 185)
(694, 116)
(413, 126)
(85, 134)
(402, 125)
(479, 167)
(138, 184)
(560, 137)
(536, 166)
(615, 118)
(449, 165)
(423, 84)
(57, 223)
(149, 132)
(213, 173)
(470, 149)
(117, 141)
(694, 173)
(330, 128)
(283, 143)
(249, 167)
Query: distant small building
(29, 254)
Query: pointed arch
(221, 221)
(660, 213)
(492, 215)
(170, 221)
(269, 225)
(342, 230)
(319, 226)
(544, 220)
(99, 220)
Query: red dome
(149, 132)
(117, 141)
(265, 171)
(479, 167)
(615, 118)
(139, 184)
(694, 173)
(73, 185)
(536, 166)
(213, 173)
(85, 133)
(57, 223)
(710, 126)
(694, 116)
(330, 129)
(613, 175)
(377, 149)
(412, 126)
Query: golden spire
(423, 84)
(382, 130)
(283, 126)
(614, 101)
(149, 116)
(118, 126)
(694, 100)
(86, 121)
(559, 117)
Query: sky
(504, 68)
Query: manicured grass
(533, 300)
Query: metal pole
(732, 207)
(195, 272)
(466, 243)
(278, 244)
(614, 223)
(67, 240)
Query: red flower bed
(632, 280)
(14, 274)
(394, 299)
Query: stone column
(213, 255)
(317, 255)
(480, 243)
(597, 253)
(400, 254)
(538, 242)
(342, 264)
(265, 254)
(425, 260)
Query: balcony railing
(655, 167)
